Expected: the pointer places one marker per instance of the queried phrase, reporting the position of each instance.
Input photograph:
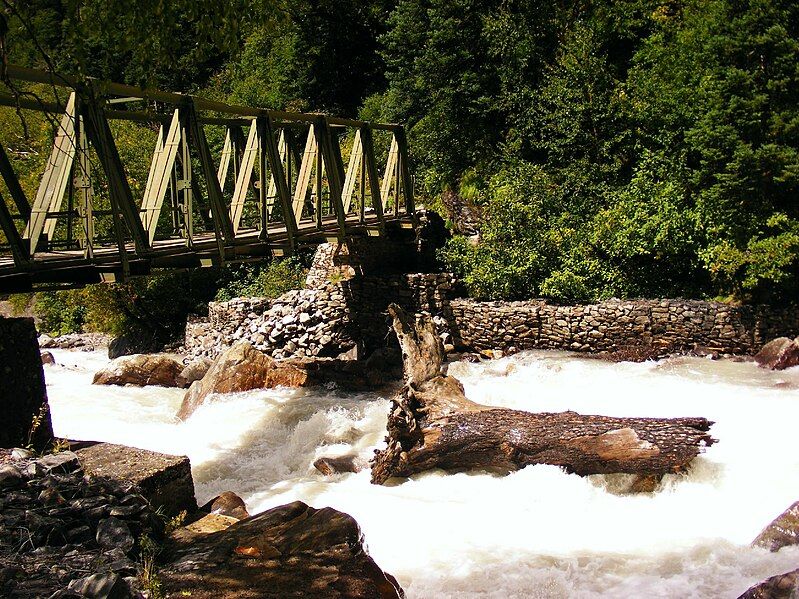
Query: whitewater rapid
(535, 533)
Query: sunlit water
(535, 533)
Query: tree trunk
(433, 425)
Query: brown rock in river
(338, 465)
(228, 504)
(782, 532)
(289, 551)
(141, 370)
(243, 368)
(782, 586)
(196, 370)
(779, 354)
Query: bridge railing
(280, 179)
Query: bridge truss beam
(188, 215)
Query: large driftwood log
(433, 425)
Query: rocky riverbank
(76, 525)
(64, 533)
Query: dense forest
(579, 149)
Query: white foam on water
(538, 532)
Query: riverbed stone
(196, 370)
(782, 586)
(289, 551)
(164, 480)
(783, 531)
(779, 354)
(229, 504)
(338, 465)
(141, 370)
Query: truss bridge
(196, 182)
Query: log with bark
(433, 425)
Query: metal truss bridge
(279, 183)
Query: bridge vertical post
(19, 250)
(223, 227)
(370, 165)
(185, 181)
(333, 170)
(269, 148)
(83, 183)
(405, 171)
(99, 133)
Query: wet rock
(782, 532)
(289, 551)
(113, 532)
(779, 354)
(241, 368)
(10, 477)
(48, 358)
(142, 370)
(196, 370)
(229, 504)
(101, 586)
(338, 465)
(164, 480)
(782, 586)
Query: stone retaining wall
(665, 325)
(349, 287)
(324, 321)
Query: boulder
(228, 504)
(779, 354)
(196, 370)
(142, 370)
(338, 465)
(782, 532)
(782, 586)
(126, 345)
(48, 358)
(240, 368)
(24, 412)
(164, 480)
(289, 551)
(243, 368)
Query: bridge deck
(63, 267)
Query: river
(536, 533)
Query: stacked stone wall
(665, 325)
(349, 287)
(323, 321)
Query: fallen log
(433, 425)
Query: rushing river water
(535, 533)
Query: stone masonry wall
(665, 325)
(349, 287)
